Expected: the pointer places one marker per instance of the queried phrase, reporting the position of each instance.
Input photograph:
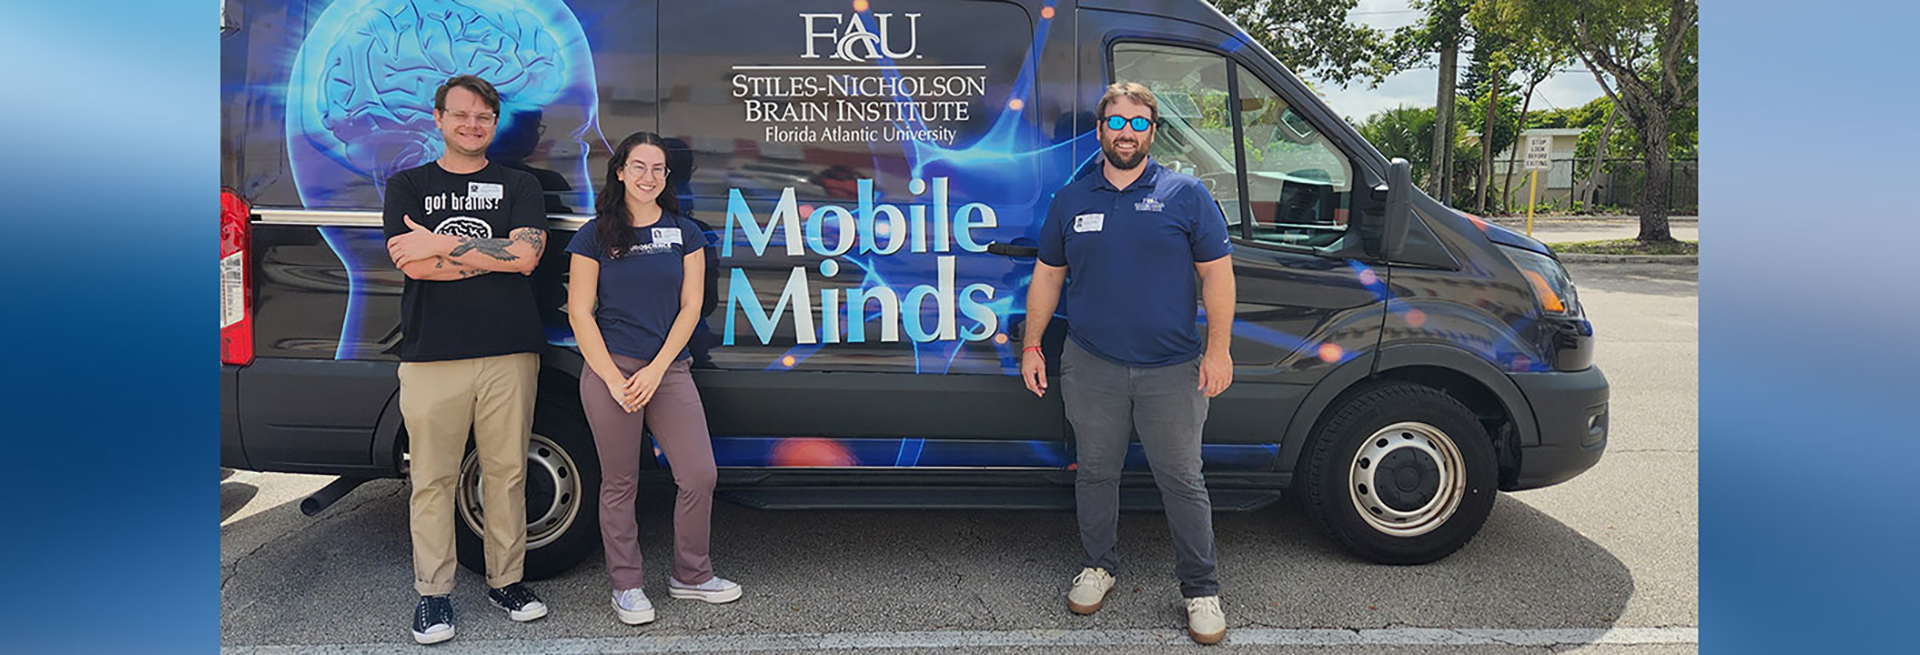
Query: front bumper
(1570, 409)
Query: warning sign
(1539, 151)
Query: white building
(1556, 183)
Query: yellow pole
(1533, 185)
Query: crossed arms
(422, 255)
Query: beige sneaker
(1205, 622)
(1089, 591)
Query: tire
(1441, 459)
(563, 494)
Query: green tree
(1441, 35)
(1587, 149)
(1405, 132)
(1646, 56)
(1490, 49)
(1683, 132)
(1592, 113)
(1474, 112)
(1314, 39)
(1486, 81)
(1530, 53)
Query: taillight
(236, 283)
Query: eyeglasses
(638, 169)
(1140, 124)
(482, 118)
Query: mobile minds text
(871, 229)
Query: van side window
(1299, 186)
(1195, 132)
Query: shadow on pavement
(234, 497)
(886, 571)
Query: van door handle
(1010, 250)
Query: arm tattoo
(495, 248)
(533, 237)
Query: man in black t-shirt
(467, 233)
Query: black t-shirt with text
(485, 315)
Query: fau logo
(853, 42)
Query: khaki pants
(440, 402)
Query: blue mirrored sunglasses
(1139, 124)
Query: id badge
(1089, 223)
(485, 190)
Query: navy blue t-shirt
(1131, 294)
(639, 291)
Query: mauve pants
(679, 425)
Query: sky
(1416, 88)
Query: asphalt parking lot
(1605, 563)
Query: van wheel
(563, 492)
(1402, 474)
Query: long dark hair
(612, 220)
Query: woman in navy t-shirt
(634, 297)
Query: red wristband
(1043, 354)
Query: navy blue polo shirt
(639, 291)
(1131, 294)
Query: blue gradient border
(1807, 358)
(111, 186)
(111, 190)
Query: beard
(1125, 163)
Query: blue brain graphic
(360, 101)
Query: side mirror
(1399, 209)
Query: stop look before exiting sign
(1539, 149)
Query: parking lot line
(1543, 637)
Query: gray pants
(1107, 404)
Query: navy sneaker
(433, 620)
(518, 601)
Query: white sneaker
(715, 590)
(632, 606)
(1089, 590)
(1205, 622)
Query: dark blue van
(873, 175)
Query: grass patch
(1627, 247)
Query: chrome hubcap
(1407, 479)
(553, 492)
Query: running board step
(1046, 498)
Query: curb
(1587, 258)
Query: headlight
(1552, 287)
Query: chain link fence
(1565, 186)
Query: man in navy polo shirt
(1125, 240)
